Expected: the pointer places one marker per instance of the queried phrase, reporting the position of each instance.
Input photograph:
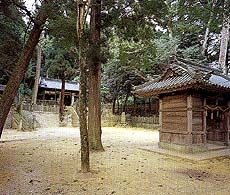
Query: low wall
(145, 122)
(47, 116)
(134, 121)
(109, 119)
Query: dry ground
(47, 162)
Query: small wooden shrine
(50, 90)
(194, 106)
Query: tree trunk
(118, 106)
(94, 117)
(224, 43)
(134, 105)
(205, 43)
(37, 76)
(114, 105)
(125, 102)
(21, 67)
(61, 104)
(149, 111)
(85, 165)
(206, 35)
(169, 22)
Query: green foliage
(24, 90)
(165, 49)
(139, 39)
(59, 60)
(151, 32)
(60, 41)
(12, 26)
(62, 24)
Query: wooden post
(37, 76)
(135, 105)
(228, 125)
(204, 122)
(149, 105)
(55, 95)
(72, 99)
(160, 116)
(189, 119)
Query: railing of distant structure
(42, 106)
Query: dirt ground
(47, 161)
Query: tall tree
(224, 38)
(62, 99)
(207, 30)
(37, 75)
(82, 11)
(22, 64)
(94, 99)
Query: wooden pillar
(160, 116)
(135, 104)
(189, 119)
(204, 120)
(72, 99)
(150, 105)
(145, 111)
(44, 94)
(228, 125)
(55, 96)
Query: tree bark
(21, 67)
(207, 30)
(224, 41)
(118, 105)
(61, 104)
(85, 164)
(94, 117)
(114, 105)
(125, 102)
(37, 76)
(170, 22)
(134, 105)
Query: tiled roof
(183, 75)
(49, 83)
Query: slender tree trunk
(224, 42)
(85, 164)
(118, 105)
(206, 35)
(94, 117)
(61, 104)
(135, 105)
(170, 22)
(114, 105)
(21, 67)
(170, 27)
(149, 111)
(125, 102)
(37, 76)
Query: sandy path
(47, 162)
